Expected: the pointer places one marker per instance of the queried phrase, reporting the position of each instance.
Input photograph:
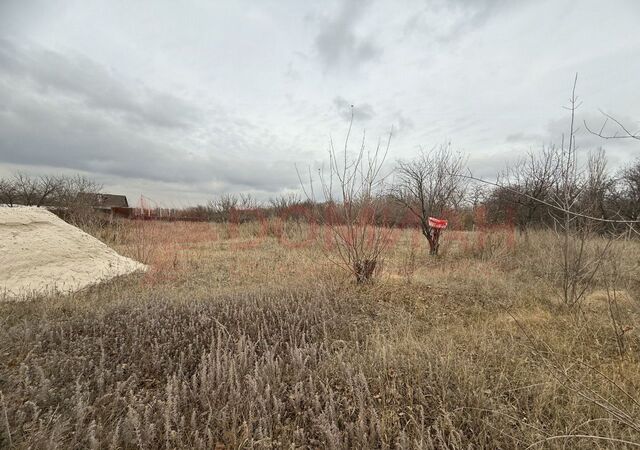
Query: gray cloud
(403, 124)
(521, 137)
(96, 86)
(76, 116)
(461, 16)
(80, 140)
(337, 43)
(361, 112)
(617, 150)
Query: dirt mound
(41, 253)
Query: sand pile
(41, 253)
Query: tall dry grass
(238, 339)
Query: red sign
(438, 223)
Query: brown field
(248, 337)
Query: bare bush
(285, 202)
(351, 189)
(224, 205)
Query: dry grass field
(248, 337)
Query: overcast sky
(181, 101)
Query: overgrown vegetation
(237, 340)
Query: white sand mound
(40, 253)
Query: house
(108, 201)
(111, 204)
(105, 201)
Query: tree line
(47, 190)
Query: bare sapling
(351, 207)
(575, 198)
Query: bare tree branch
(626, 133)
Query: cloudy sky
(181, 101)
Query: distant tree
(284, 202)
(625, 192)
(248, 202)
(597, 187)
(27, 189)
(8, 192)
(222, 207)
(46, 190)
(626, 196)
(522, 185)
(429, 185)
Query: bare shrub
(222, 207)
(351, 189)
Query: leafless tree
(76, 195)
(625, 193)
(284, 202)
(477, 195)
(529, 180)
(223, 205)
(429, 185)
(350, 190)
(248, 202)
(77, 189)
(8, 192)
(623, 198)
(598, 186)
(47, 190)
(27, 188)
(48, 186)
(290, 207)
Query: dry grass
(239, 338)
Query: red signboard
(438, 223)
